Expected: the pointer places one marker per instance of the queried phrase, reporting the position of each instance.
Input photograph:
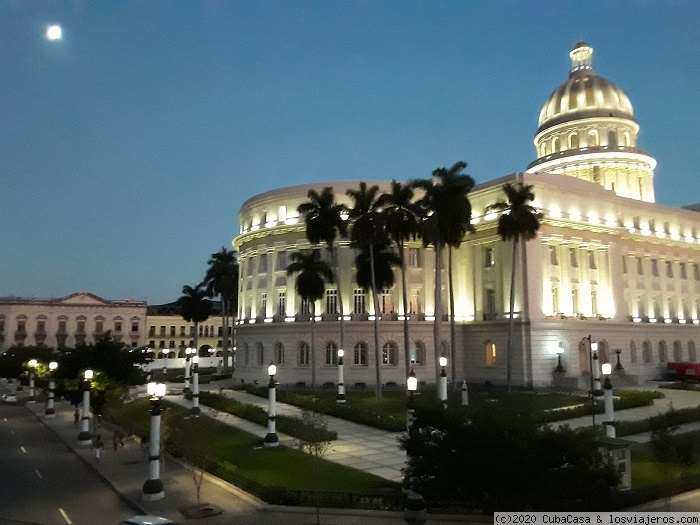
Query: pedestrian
(97, 445)
(76, 417)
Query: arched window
(573, 141)
(556, 145)
(260, 354)
(490, 353)
(279, 353)
(692, 357)
(677, 351)
(663, 352)
(633, 352)
(304, 354)
(418, 354)
(628, 142)
(593, 138)
(389, 354)
(360, 357)
(646, 352)
(612, 138)
(331, 353)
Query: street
(43, 482)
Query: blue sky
(127, 148)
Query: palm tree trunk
(511, 322)
(378, 388)
(340, 296)
(406, 341)
(313, 345)
(453, 328)
(224, 326)
(437, 325)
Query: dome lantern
(581, 58)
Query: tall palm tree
(402, 219)
(448, 219)
(324, 220)
(518, 220)
(367, 233)
(222, 279)
(194, 307)
(313, 274)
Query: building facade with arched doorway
(608, 265)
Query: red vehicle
(683, 370)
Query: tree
(222, 279)
(313, 274)
(325, 221)
(194, 307)
(402, 221)
(368, 231)
(518, 220)
(447, 213)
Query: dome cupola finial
(581, 57)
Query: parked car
(148, 520)
(10, 397)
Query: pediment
(82, 298)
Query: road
(43, 482)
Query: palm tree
(368, 232)
(194, 307)
(324, 220)
(518, 220)
(402, 219)
(222, 279)
(448, 219)
(310, 285)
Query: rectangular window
(281, 303)
(555, 300)
(574, 300)
(81, 326)
(669, 268)
(640, 266)
(263, 305)
(489, 257)
(162, 331)
(696, 272)
(654, 267)
(414, 258)
(490, 350)
(332, 302)
(172, 331)
(249, 267)
(624, 264)
(490, 302)
(682, 270)
(386, 301)
(262, 266)
(573, 257)
(117, 326)
(135, 326)
(305, 307)
(359, 301)
(592, 263)
(41, 326)
(281, 260)
(62, 326)
(151, 331)
(99, 326)
(553, 256)
(594, 302)
(415, 306)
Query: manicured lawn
(240, 457)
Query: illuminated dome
(587, 130)
(584, 94)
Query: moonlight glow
(54, 32)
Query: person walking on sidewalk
(76, 417)
(97, 445)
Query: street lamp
(559, 369)
(340, 398)
(594, 373)
(271, 439)
(32, 365)
(165, 352)
(609, 422)
(84, 437)
(188, 352)
(49, 412)
(195, 410)
(153, 487)
(442, 389)
(411, 385)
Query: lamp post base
(340, 398)
(153, 490)
(195, 411)
(271, 440)
(50, 413)
(84, 438)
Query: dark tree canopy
(313, 274)
(323, 217)
(385, 260)
(194, 305)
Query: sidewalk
(127, 469)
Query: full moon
(54, 32)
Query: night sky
(127, 147)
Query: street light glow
(32, 363)
(54, 32)
(53, 365)
(607, 369)
(88, 374)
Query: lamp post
(49, 412)
(195, 410)
(340, 398)
(32, 394)
(442, 388)
(592, 349)
(609, 422)
(84, 437)
(188, 352)
(153, 487)
(559, 369)
(618, 367)
(165, 351)
(411, 385)
(271, 439)
(465, 393)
